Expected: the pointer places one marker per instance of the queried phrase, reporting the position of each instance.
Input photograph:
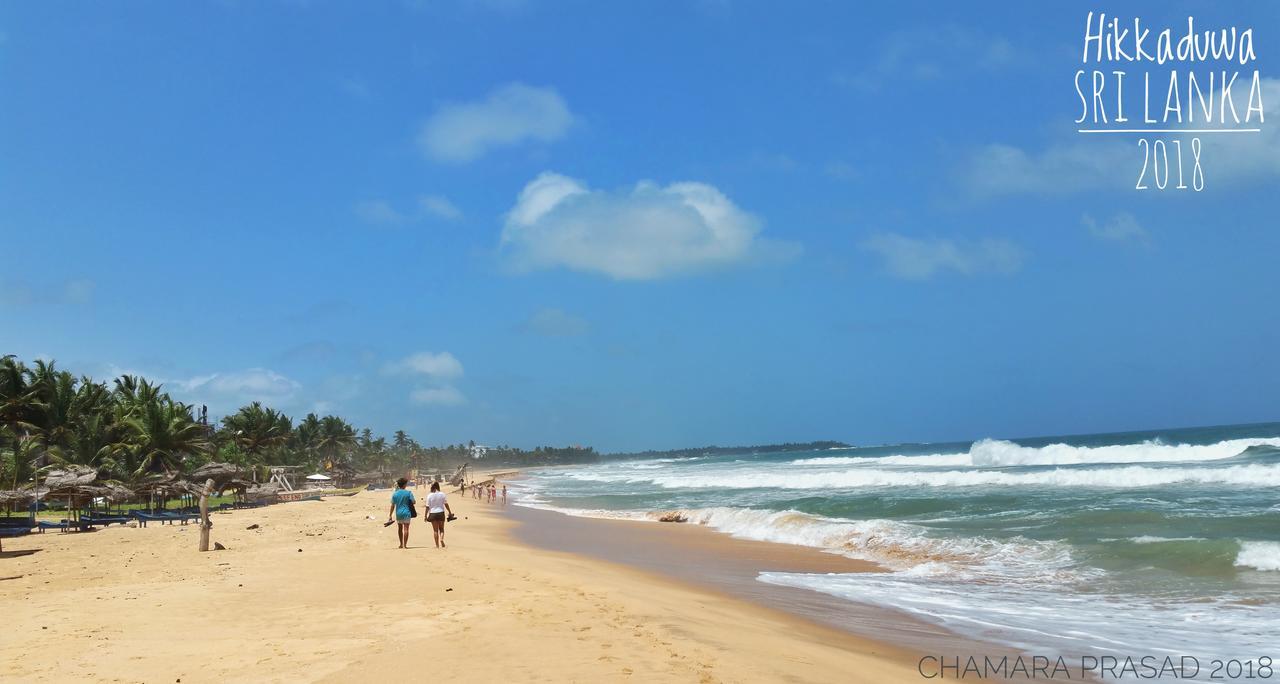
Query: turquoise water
(1164, 542)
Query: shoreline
(711, 560)
(318, 592)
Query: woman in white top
(436, 507)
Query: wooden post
(204, 515)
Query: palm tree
(18, 459)
(56, 421)
(134, 391)
(19, 400)
(159, 436)
(307, 436)
(334, 436)
(256, 429)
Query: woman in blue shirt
(401, 500)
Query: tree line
(131, 428)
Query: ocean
(1143, 543)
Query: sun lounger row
(61, 525)
(164, 517)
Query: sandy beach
(319, 592)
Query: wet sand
(715, 561)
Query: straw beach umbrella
(163, 486)
(78, 485)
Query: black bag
(413, 510)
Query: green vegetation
(132, 428)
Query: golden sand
(319, 592)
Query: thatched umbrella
(9, 497)
(77, 484)
(68, 477)
(213, 470)
(224, 475)
(163, 486)
(117, 493)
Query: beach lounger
(61, 525)
(183, 518)
(11, 531)
(144, 518)
(103, 520)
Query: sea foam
(1125, 477)
(999, 452)
(1259, 555)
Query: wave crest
(1259, 555)
(1001, 452)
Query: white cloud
(436, 370)
(510, 115)
(79, 291)
(841, 170)
(253, 384)
(438, 366)
(439, 206)
(438, 396)
(379, 212)
(224, 392)
(354, 86)
(1062, 168)
(920, 259)
(1122, 227)
(1087, 163)
(930, 53)
(555, 323)
(643, 233)
(1243, 156)
(20, 293)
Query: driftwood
(204, 514)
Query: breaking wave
(1259, 555)
(1127, 477)
(999, 452)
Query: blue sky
(631, 225)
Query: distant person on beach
(437, 504)
(504, 495)
(401, 500)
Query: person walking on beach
(437, 504)
(504, 495)
(401, 502)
